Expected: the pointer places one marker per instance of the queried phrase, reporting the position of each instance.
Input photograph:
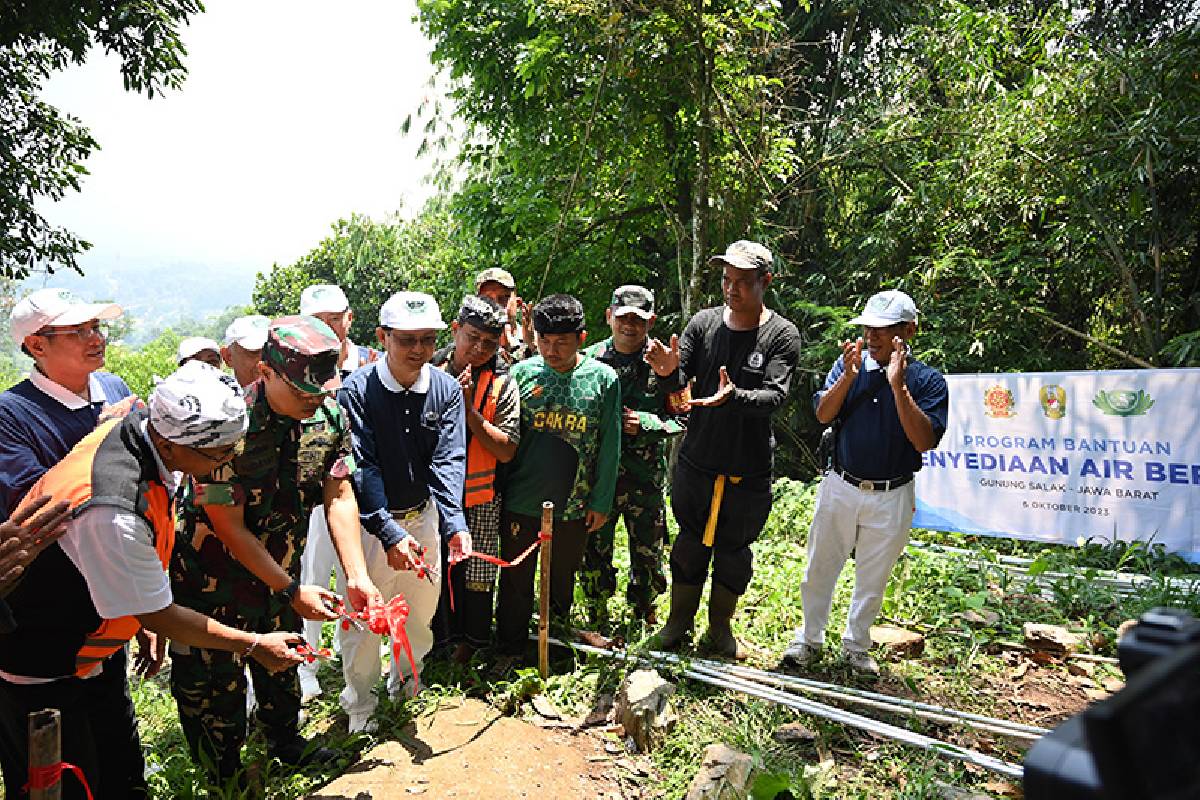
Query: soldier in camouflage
(647, 424)
(241, 531)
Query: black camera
(1143, 743)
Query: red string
(45, 777)
(499, 562)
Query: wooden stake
(544, 577)
(45, 748)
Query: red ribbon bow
(390, 619)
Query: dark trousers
(515, 607)
(471, 619)
(99, 733)
(209, 687)
(744, 511)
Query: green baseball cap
(305, 351)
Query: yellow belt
(714, 508)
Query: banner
(1060, 456)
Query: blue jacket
(406, 458)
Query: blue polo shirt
(410, 444)
(40, 422)
(871, 443)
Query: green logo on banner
(1123, 403)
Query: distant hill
(157, 296)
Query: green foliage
(139, 367)
(595, 132)
(42, 150)
(371, 260)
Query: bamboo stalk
(45, 749)
(544, 578)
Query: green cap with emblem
(305, 351)
(632, 299)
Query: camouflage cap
(483, 313)
(500, 276)
(631, 299)
(744, 254)
(306, 352)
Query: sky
(289, 119)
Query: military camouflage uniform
(639, 497)
(279, 475)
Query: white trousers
(361, 661)
(876, 526)
(318, 560)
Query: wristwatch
(288, 592)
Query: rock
(1051, 638)
(898, 641)
(1124, 627)
(947, 792)
(601, 711)
(543, 706)
(725, 774)
(792, 733)
(643, 708)
(1081, 668)
(1112, 684)
(983, 617)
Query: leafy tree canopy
(42, 149)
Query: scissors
(339, 607)
(417, 557)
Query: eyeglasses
(80, 332)
(412, 342)
(485, 345)
(224, 455)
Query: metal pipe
(1002, 730)
(832, 713)
(792, 680)
(894, 705)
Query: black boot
(721, 605)
(685, 599)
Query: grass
(963, 666)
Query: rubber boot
(685, 600)
(720, 639)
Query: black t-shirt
(736, 438)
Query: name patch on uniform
(560, 421)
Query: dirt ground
(467, 749)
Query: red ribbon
(390, 618)
(45, 777)
(499, 562)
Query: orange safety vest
(481, 463)
(73, 479)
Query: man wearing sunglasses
(410, 444)
(242, 530)
(66, 394)
(95, 588)
(887, 408)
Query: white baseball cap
(193, 345)
(411, 311)
(321, 298)
(47, 307)
(887, 308)
(249, 332)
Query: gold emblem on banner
(998, 402)
(1054, 401)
